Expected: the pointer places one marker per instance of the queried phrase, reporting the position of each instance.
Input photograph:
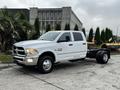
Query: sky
(92, 13)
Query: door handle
(84, 43)
(70, 44)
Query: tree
(37, 28)
(22, 26)
(6, 30)
(67, 27)
(103, 35)
(22, 16)
(48, 28)
(12, 28)
(76, 27)
(90, 37)
(111, 36)
(83, 30)
(57, 27)
(97, 36)
(108, 34)
(5, 34)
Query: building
(53, 16)
(49, 16)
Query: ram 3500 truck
(56, 46)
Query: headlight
(31, 52)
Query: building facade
(54, 16)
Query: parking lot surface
(82, 75)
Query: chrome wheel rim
(47, 64)
(105, 57)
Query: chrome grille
(18, 51)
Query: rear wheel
(102, 57)
(45, 64)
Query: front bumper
(27, 61)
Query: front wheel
(45, 64)
(102, 57)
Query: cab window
(66, 37)
(77, 36)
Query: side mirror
(67, 38)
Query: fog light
(29, 60)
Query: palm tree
(12, 28)
(5, 34)
(22, 26)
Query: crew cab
(56, 46)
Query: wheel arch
(104, 46)
(49, 53)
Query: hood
(31, 43)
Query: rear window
(77, 36)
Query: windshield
(49, 36)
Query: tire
(45, 64)
(102, 57)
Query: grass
(5, 58)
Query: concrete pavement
(82, 75)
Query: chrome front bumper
(28, 61)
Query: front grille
(18, 51)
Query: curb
(6, 62)
(6, 65)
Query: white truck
(56, 46)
